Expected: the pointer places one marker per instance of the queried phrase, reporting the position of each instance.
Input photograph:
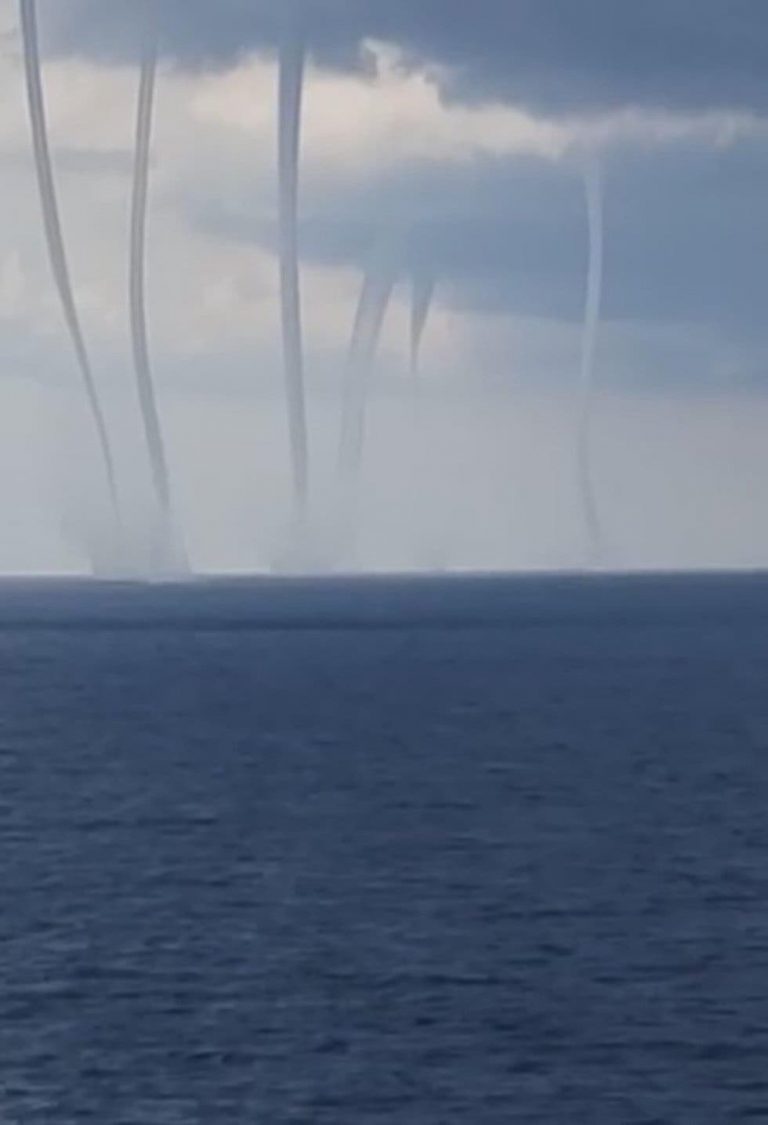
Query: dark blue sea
(426, 852)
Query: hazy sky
(462, 130)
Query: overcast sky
(464, 131)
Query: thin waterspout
(593, 182)
(145, 382)
(291, 87)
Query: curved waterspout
(375, 295)
(55, 240)
(424, 286)
(291, 86)
(138, 313)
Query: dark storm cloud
(553, 55)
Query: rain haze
(507, 265)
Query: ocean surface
(350, 852)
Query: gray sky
(543, 54)
(464, 130)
